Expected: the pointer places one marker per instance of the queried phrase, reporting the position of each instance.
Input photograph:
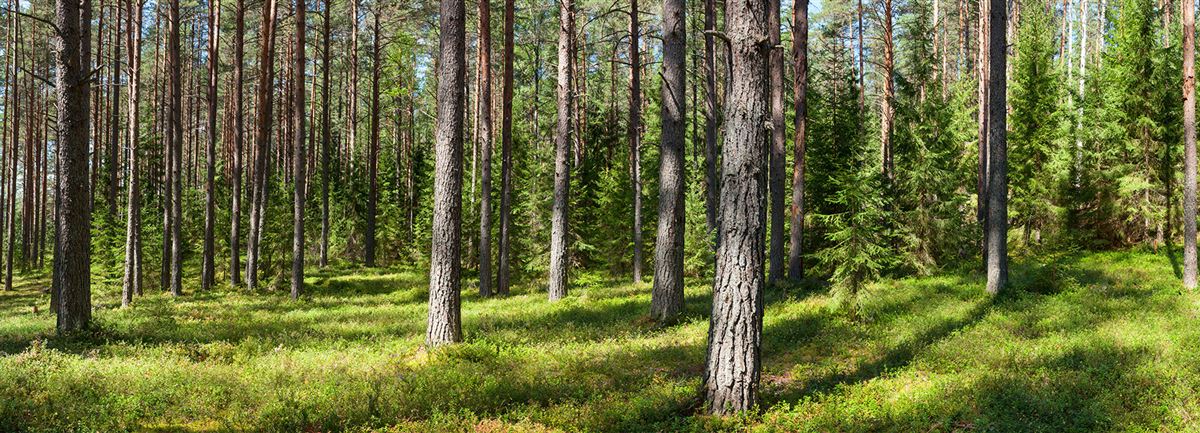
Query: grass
(1090, 342)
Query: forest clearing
(1087, 342)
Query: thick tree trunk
(445, 262)
(635, 135)
(502, 271)
(778, 158)
(210, 188)
(563, 134)
(373, 152)
(1189, 140)
(485, 148)
(667, 296)
(325, 145)
(235, 212)
(735, 331)
(800, 123)
(997, 197)
(73, 256)
(298, 154)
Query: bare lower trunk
(210, 187)
(1189, 137)
(133, 273)
(262, 141)
(997, 197)
(502, 271)
(73, 257)
(485, 148)
(445, 262)
(635, 136)
(175, 76)
(373, 152)
(235, 212)
(298, 154)
(800, 123)
(563, 134)
(735, 329)
(777, 156)
(712, 183)
(667, 296)
(325, 145)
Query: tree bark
(175, 78)
(132, 281)
(502, 271)
(887, 102)
(325, 145)
(712, 183)
(73, 258)
(777, 157)
(800, 123)
(373, 152)
(210, 208)
(563, 134)
(298, 153)
(263, 104)
(635, 136)
(667, 296)
(485, 148)
(997, 239)
(235, 212)
(445, 262)
(982, 120)
(1189, 137)
(735, 329)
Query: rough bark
(445, 262)
(262, 138)
(982, 93)
(325, 145)
(175, 78)
(563, 134)
(712, 183)
(373, 152)
(634, 133)
(502, 271)
(73, 255)
(887, 102)
(735, 329)
(666, 300)
(485, 148)
(132, 280)
(1189, 137)
(208, 266)
(777, 158)
(997, 197)
(800, 123)
(235, 219)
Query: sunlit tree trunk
(800, 124)
(1189, 140)
(485, 147)
(997, 197)
(667, 296)
(635, 136)
(563, 134)
(502, 271)
(73, 255)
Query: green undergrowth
(1087, 342)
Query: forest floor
(1086, 342)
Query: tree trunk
(485, 148)
(325, 145)
(73, 258)
(777, 157)
(1189, 137)
(352, 113)
(800, 123)
(235, 212)
(502, 271)
(562, 148)
(210, 208)
(982, 120)
(175, 77)
(262, 137)
(298, 154)
(667, 296)
(887, 102)
(635, 136)
(997, 238)
(712, 183)
(132, 281)
(735, 330)
(10, 163)
(373, 152)
(445, 262)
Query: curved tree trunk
(667, 296)
(562, 149)
(445, 261)
(735, 329)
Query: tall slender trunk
(982, 115)
(352, 112)
(262, 140)
(733, 365)
(997, 238)
(73, 255)
(667, 296)
(800, 124)
(175, 76)
(325, 145)
(485, 147)
(10, 163)
(235, 209)
(298, 154)
(887, 110)
(563, 134)
(712, 183)
(114, 120)
(210, 208)
(445, 262)
(777, 157)
(132, 281)
(635, 135)
(373, 152)
(1189, 140)
(502, 271)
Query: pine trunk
(667, 296)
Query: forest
(595, 215)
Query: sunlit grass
(1093, 342)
